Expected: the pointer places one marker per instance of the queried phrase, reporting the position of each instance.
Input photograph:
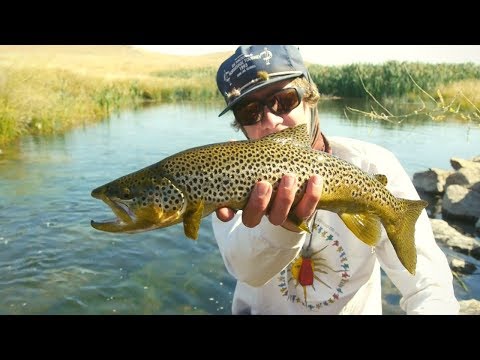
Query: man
(283, 270)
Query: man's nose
(270, 120)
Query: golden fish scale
(225, 173)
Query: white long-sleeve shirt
(331, 271)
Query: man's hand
(258, 202)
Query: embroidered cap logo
(241, 64)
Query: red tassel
(305, 276)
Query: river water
(53, 262)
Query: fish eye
(126, 193)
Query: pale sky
(348, 54)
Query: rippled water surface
(53, 262)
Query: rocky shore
(454, 211)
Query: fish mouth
(125, 217)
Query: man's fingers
(225, 214)
(259, 199)
(257, 204)
(307, 205)
(283, 200)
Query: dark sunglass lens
(273, 104)
(249, 114)
(288, 100)
(284, 101)
(279, 103)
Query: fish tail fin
(365, 226)
(401, 232)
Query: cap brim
(270, 81)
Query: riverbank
(50, 89)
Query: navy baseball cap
(253, 67)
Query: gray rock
(476, 187)
(434, 207)
(458, 163)
(469, 307)
(446, 234)
(431, 181)
(461, 203)
(475, 253)
(466, 176)
(462, 267)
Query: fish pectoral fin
(365, 226)
(381, 178)
(192, 219)
(299, 223)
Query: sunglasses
(280, 103)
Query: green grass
(391, 79)
(466, 91)
(49, 89)
(42, 101)
(46, 90)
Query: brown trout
(191, 184)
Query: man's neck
(321, 143)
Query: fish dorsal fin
(382, 178)
(364, 226)
(297, 135)
(192, 219)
